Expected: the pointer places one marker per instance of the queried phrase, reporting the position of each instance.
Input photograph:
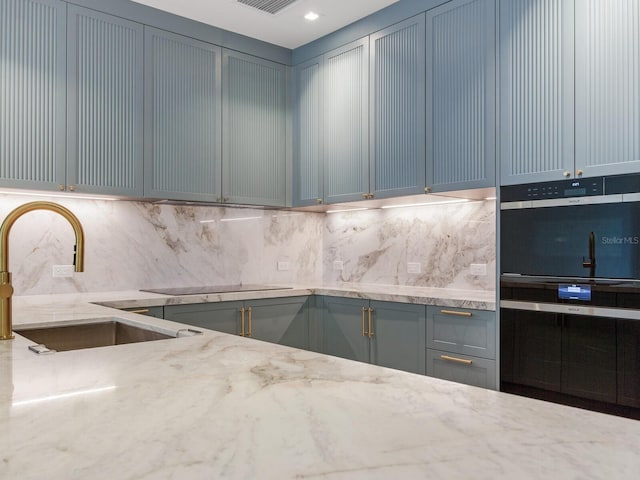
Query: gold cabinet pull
(250, 318)
(364, 313)
(142, 311)
(567, 173)
(456, 312)
(242, 333)
(579, 173)
(370, 322)
(463, 361)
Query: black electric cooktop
(212, 289)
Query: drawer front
(463, 331)
(478, 372)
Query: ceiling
(286, 28)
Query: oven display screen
(574, 292)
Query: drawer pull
(142, 311)
(455, 312)
(457, 360)
(370, 322)
(242, 331)
(250, 319)
(364, 313)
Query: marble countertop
(222, 406)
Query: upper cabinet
(536, 90)
(461, 95)
(32, 97)
(345, 123)
(183, 112)
(607, 87)
(105, 103)
(397, 110)
(254, 119)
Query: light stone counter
(221, 406)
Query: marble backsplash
(134, 245)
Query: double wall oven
(570, 291)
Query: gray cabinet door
(398, 336)
(346, 131)
(183, 115)
(254, 156)
(307, 136)
(32, 96)
(463, 331)
(345, 323)
(280, 320)
(461, 95)
(536, 99)
(478, 372)
(397, 109)
(629, 362)
(105, 103)
(607, 87)
(222, 317)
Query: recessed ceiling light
(311, 16)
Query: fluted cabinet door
(346, 122)
(105, 102)
(307, 157)
(536, 90)
(32, 93)
(607, 86)
(183, 111)
(461, 95)
(397, 109)
(254, 130)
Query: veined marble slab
(222, 406)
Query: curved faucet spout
(6, 289)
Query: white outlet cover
(283, 266)
(479, 269)
(338, 265)
(413, 267)
(59, 271)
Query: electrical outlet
(413, 267)
(338, 265)
(63, 271)
(283, 266)
(478, 269)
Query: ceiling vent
(269, 6)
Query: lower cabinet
(383, 333)
(280, 320)
(461, 345)
(629, 363)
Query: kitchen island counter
(221, 406)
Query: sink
(101, 333)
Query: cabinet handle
(567, 174)
(72, 188)
(319, 201)
(427, 189)
(142, 311)
(365, 196)
(370, 322)
(455, 312)
(579, 173)
(457, 360)
(61, 187)
(242, 333)
(364, 313)
(250, 318)
(370, 196)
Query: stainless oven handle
(571, 309)
(564, 202)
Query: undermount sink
(101, 333)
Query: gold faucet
(6, 289)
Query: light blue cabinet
(254, 130)
(308, 157)
(607, 87)
(388, 334)
(104, 104)
(461, 95)
(183, 117)
(397, 110)
(536, 90)
(345, 122)
(32, 94)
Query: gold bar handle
(364, 313)
(250, 318)
(242, 332)
(370, 322)
(142, 311)
(457, 360)
(456, 312)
